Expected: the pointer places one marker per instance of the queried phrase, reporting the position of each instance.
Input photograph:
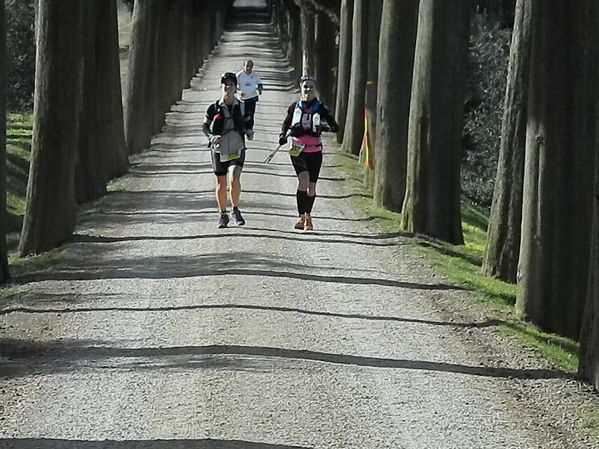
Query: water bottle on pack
(316, 123)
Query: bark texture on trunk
(326, 55)
(90, 177)
(503, 235)
(396, 62)
(344, 65)
(307, 21)
(367, 149)
(293, 42)
(109, 82)
(51, 208)
(432, 201)
(138, 119)
(588, 367)
(4, 271)
(354, 120)
(559, 166)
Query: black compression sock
(302, 199)
(309, 203)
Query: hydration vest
(306, 120)
(223, 114)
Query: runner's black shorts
(221, 168)
(310, 162)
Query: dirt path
(154, 329)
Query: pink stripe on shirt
(311, 144)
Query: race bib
(229, 157)
(295, 149)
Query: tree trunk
(559, 166)
(326, 56)
(307, 21)
(159, 65)
(367, 149)
(206, 33)
(588, 367)
(396, 62)
(173, 56)
(51, 208)
(187, 60)
(432, 201)
(199, 36)
(4, 272)
(90, 177)
(296, 41)
(101, 154)
(503, 235)
(344, 65)
(354, 121)
(139, 112)
(292, 36)
(220, 18)
(109, 82)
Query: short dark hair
(228, 76)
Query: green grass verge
(462, 264)
(19, 130)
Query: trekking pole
(271, 155)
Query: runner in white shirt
(250, 86)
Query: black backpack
(218, 122)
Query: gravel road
(154, 329)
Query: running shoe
(300, 223)
(308, 223)
(237, 218)
(223, 221)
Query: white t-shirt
(248, 84)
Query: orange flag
(366, 142)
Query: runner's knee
(304, 181)
(221, 182)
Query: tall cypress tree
(432, 202)
(354, 120)
(559, 166)
(503, 235)
(4, 272)
(396, 63)
(50, 211)
(344, 64)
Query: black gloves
(282, 139)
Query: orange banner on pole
(366, 143)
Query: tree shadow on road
(47, 443)
(259, 233)
(86, 263)
(68, 355)
(43, 303)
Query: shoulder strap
(315, 107)
(297, 113)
